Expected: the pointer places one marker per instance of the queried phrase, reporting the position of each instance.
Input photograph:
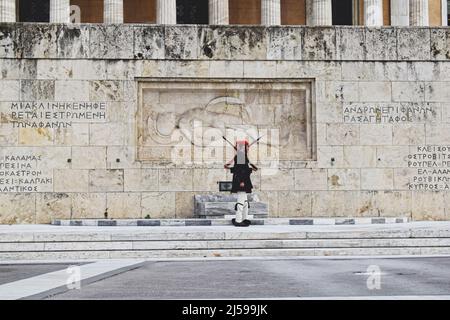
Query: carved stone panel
(190, 117)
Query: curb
(223, 222)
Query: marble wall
(372, 118)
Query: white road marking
(393, 297)
(58, 280)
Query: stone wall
(69, 103)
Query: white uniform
(241, 207)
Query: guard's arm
(228, 164)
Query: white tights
(241, 207)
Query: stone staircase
(74, 243)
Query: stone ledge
(225, 222)
(194, 42)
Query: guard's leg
(245, 209)
(239, 207)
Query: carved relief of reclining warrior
(221, 113)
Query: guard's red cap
(242, 142)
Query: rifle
(234, 147)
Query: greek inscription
(54, 114)
(431, 166)
(404, 113)
(21, 173)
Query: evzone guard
(242, 184)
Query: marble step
(232, 216)
(225, 221)
(218, 253)
(220, 244)
(121, 235)
(221, 209)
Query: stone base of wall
(223, 222)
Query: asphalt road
(252, 279)
(16, 272)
